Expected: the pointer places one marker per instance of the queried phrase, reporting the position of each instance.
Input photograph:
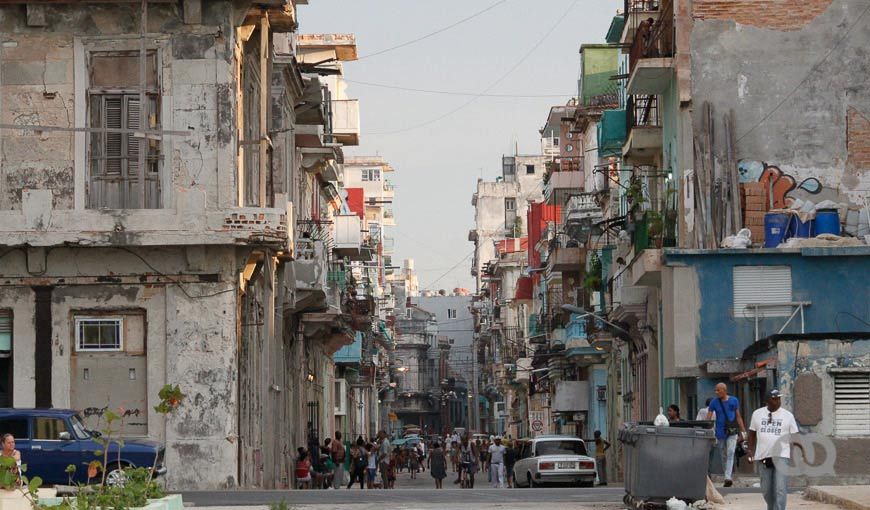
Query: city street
(420, 493)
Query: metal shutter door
(762, 284)
(852, 404)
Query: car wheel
(116, 477)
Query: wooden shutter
(113, 113)
(852, 403)
(5, 332)
(762, 284)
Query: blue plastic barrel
(798, 228)
(827, 222)
(775, 228)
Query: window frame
(33, 427)
(451, 313)
(79, 319)
(530, 167)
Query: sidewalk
(845, 497)
(849, 497)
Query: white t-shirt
(702, 414)
(496, 453)
(772, 432)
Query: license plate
(566, 465)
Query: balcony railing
(654, 38)
(641, 5)
(642, 111)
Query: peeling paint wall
(791, 71)
(821, 358)
(198, 355)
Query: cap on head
(774, 394)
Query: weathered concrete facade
(189, 266)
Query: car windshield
(79, 427)
(566, 447)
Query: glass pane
(109, 335)
(48, 428)
(90, 335)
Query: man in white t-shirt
(770, 445)
(496, 463)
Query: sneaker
(728, 483)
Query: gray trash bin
(666, 462)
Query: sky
(510, 49)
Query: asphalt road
(421, 493)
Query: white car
(554, 459)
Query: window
(767, 285)
(451, 313)
(560, 448)
(114, 180)
(15, 426)
(371, 174)
(510, 204)
(407, 313)
(5, 333)
(450, 341)
(99, 333)
(852, 403)
(48, 428)
(530, 169)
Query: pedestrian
(454, 455)
(338, 453)
(704, 411)
(510, 458)
(673, 413)
(9, 451)
(770, 428)
(325, 472)
(438, 465)
(729, 428)
(414, 461)
(495, 458)
(482, 452)
(371, 466)
(358, 463)
(303, 469)
(601, 446)
(384, 451)
(391, 470)
(421, 456)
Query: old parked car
(51, 439)
(554, 459)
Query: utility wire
(493, 84)
(453, 93)
(430, 34)
(807, 77)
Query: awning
(611, 133)
(760, 370)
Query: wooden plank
(265, 96)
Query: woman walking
(438, 465)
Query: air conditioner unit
(340, 397)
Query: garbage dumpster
(666, 462)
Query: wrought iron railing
(654, 38)
(641, 5)
(643, 111)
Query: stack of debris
(754, 204)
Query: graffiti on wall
(785, 188)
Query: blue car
(51, 439)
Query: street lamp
(583, 314)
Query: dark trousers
(357, 474)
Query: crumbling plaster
(790, 90)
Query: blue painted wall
(835, 283)
(350, 353)
(597, 410)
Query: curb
(816, 494)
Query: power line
(429, 287)
(453, 93)
(436, 32)
(807, 77)
(493, 84)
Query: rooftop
(343, 44)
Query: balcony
(650, 61)
(636, 11)
(646, 268)
(345, 123)
(566, 259)
(348, 236)
(561, 185)
(645, 127)
(581, 213)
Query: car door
(53, 448)
(522, 464)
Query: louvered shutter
(852, 403)
(765, 285)
(112, 115)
